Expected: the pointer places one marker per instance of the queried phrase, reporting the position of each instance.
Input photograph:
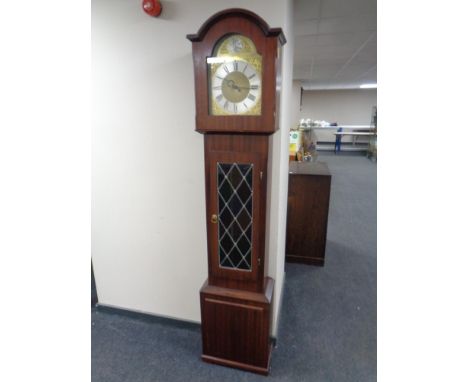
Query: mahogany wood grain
(308, 203)
(236, 327)
(256, 19)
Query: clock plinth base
(236, 327)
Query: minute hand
(248, 87)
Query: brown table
(308, 201)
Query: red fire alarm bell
(152, 7)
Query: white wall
(296, 102)
(278, 168)
(347, 107)
(148, 212)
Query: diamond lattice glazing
(235, 215)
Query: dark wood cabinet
(308, 202)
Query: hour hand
(252, 87)
(233, 85)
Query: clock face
(235, 87)
(235, 77)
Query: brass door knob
(214, 218)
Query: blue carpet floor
(328, 321)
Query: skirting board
(165, 320)
(280, 307)
(148, 317)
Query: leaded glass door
(233, 215)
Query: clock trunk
(235, 186)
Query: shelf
(369, 127)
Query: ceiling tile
(347, 8)
(348, 24)
(335, 41)
(306, 27)
(306, 9)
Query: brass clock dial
(235, 77)
(235, 87)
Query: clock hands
(233, 85)
(247, 87)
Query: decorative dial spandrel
(235, 77)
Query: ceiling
(335, 43)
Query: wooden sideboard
(308, 201)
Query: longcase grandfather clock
(237, 68)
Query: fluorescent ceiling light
(368, 86)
